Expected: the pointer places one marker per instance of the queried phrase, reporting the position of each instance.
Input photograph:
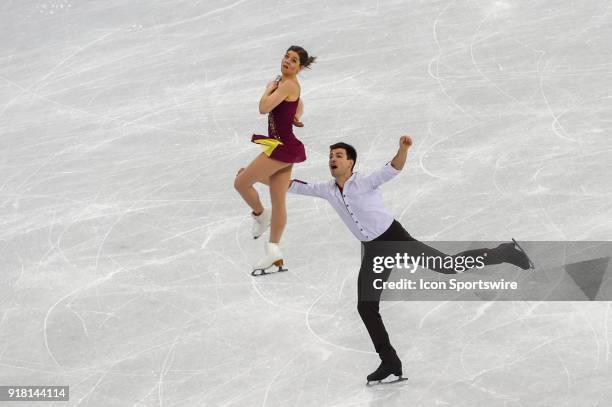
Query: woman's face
(290, 64)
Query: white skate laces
(261, 223)
(273, 257)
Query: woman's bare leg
(259, 170)
(279, 182)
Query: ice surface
(125, 251)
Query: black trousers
(368, 299)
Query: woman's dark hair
(305, 60)
(351, 153)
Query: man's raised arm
(400, 158)
(392, 168)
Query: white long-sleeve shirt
(360, 204)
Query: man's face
(339, 164)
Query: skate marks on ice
(104, 310)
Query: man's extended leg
(504, 253)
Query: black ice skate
(514, 254)
(385, 370)
(524, 261)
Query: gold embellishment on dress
(272, 125)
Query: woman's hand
(275, 93)
(272, 85)
(298, 114)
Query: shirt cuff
(392, 168)
(295, 184)
(292, 187)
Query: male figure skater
(357, 199)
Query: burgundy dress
(281, 144)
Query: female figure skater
(281, 101)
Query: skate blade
(262, 271)
(376, 383)
(531, 265)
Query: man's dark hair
(351, 153)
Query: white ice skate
(273, 257)
(261, 223)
